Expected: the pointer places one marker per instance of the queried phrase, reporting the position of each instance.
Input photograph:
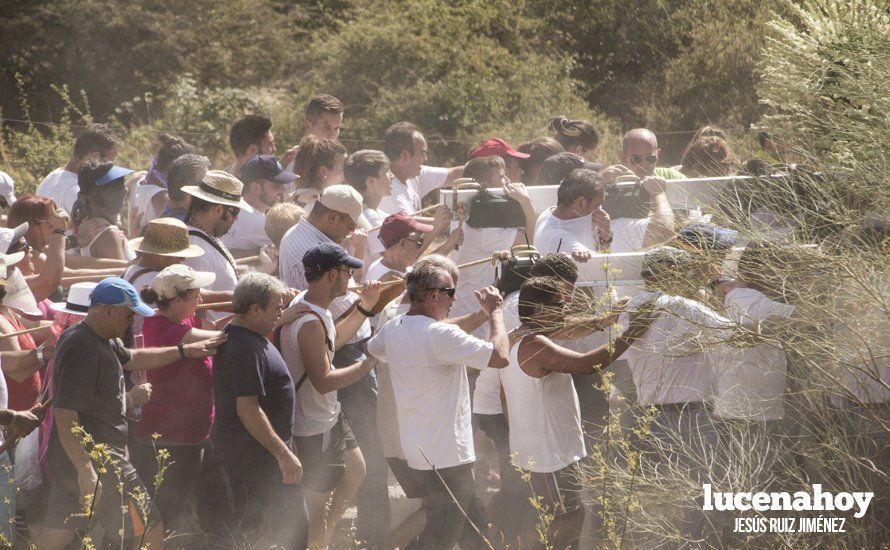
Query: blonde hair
(280, 218)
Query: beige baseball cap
(175, 279)
(345, 199)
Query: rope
(494, 258)
(25, 331)
(97, 276)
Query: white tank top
(544, 418)
(314, 413)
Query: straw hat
(218, 187)
(18, 295)
(166, 237)
(78, 302)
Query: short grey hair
(255, 288)
(438, 260)
(423, 277)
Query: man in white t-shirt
(265, 182)
(97, 143)
(215, 204)
(368, 172)
(672, 371)
(577, 225)
(333, 465)
(412, 179)
(426, 358)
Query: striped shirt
(294, 245)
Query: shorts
(413, 481)
(64, 510)
(560, 491)
(323, 456)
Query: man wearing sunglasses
(426, 357)
(639, 157)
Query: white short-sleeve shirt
(375, 248)
(294, 245)
(248, 232)
(750, 381)
(426, 365)
(61, 186)
(406, 196)
(478, 243)
(213, 261)
(672, 362)
(553, 234)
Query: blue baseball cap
(116, 172)
(114, 291)
(265, 167)
(325, 256)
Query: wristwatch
(41, 359)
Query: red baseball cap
(399, 226)
(496, 147)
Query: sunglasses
(232, 211)
(18, 246)
(449, 290)
(416, 242)
(650, 159)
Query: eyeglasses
(449, 290)
(347, 270)
(232, 211)
(650, 159)
(416, 242)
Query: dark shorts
(64, 509)
(413, 481)
(559, 491)
(323, 456)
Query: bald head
(640, 152)
(639, 136)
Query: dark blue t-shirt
(248, 364)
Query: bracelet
(363, 311)
(181, 351)
(59, 232)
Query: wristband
(363, 311)
(181, 351)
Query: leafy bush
(462, 72)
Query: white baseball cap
(345, 199)
(175, 279)
(7, 188)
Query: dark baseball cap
(325, 256)
(558, 166)
(265, 167)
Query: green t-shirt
(667, 173)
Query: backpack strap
(215, 244)
(276, 341)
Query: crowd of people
(198, 357)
